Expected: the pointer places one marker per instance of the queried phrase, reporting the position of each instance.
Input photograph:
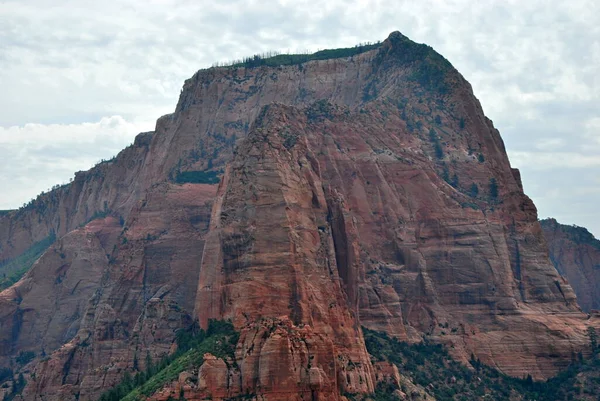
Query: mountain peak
(301, 198)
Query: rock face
(271, 252)
(48, 305)
(576, 255)
(367, 190)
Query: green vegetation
(289, 139)
(437, 146)
(17, 387)
(471, 205)
(219, 339)
(429, 68)
(44, 201)
(493, 189)
(198, 177)
(5, 374)
(319, 111)
(383, 392)
(25, 357)
(454, 181)
(579, 235)
(474, 191)
(275, 60)
(430, 366)
(13, 269)
(591, 331)
(4, 212)
(370, 91)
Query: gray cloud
(534, 65)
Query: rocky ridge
(576, 255)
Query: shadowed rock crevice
(343, 251)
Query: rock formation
(576, 255)
(367, 190)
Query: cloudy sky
(79, 79)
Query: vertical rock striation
(271, 254)
(576, 255)
(366, 190)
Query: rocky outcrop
(112, 186)
(410, 265)
(576, 255)
(272, 254)
(366, 190)
(45, 309)
(145, 292)
(387, 374)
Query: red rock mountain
(355, 190)
(576, 255)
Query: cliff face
(272, 253)
(576, 255)
(369, 190)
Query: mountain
(576, 255)
(300, 199)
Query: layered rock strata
(367, 190)
(576, 255)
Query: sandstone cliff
(576, 255)
(367, 190)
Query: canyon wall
(576, 255)
(368, 190)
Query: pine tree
(591, 331)
(454, 181)
(474, 190)
(493, 189)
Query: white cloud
(592, 131)
(533, 64)
(35, 156)
(547, 144)
(552, 160)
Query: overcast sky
(79, 79)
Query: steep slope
(366, 190)
(576, 255)
(430, 365)
(271, 253)
(111, 186)
(411, 265)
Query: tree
(454, 181)
(149, 363)
(591, 332)
(529, 381)
(446, 174)
(493, 189)
(127, 381)
(439, 151)
(19, 385)
(474, 190)
(5, 373)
